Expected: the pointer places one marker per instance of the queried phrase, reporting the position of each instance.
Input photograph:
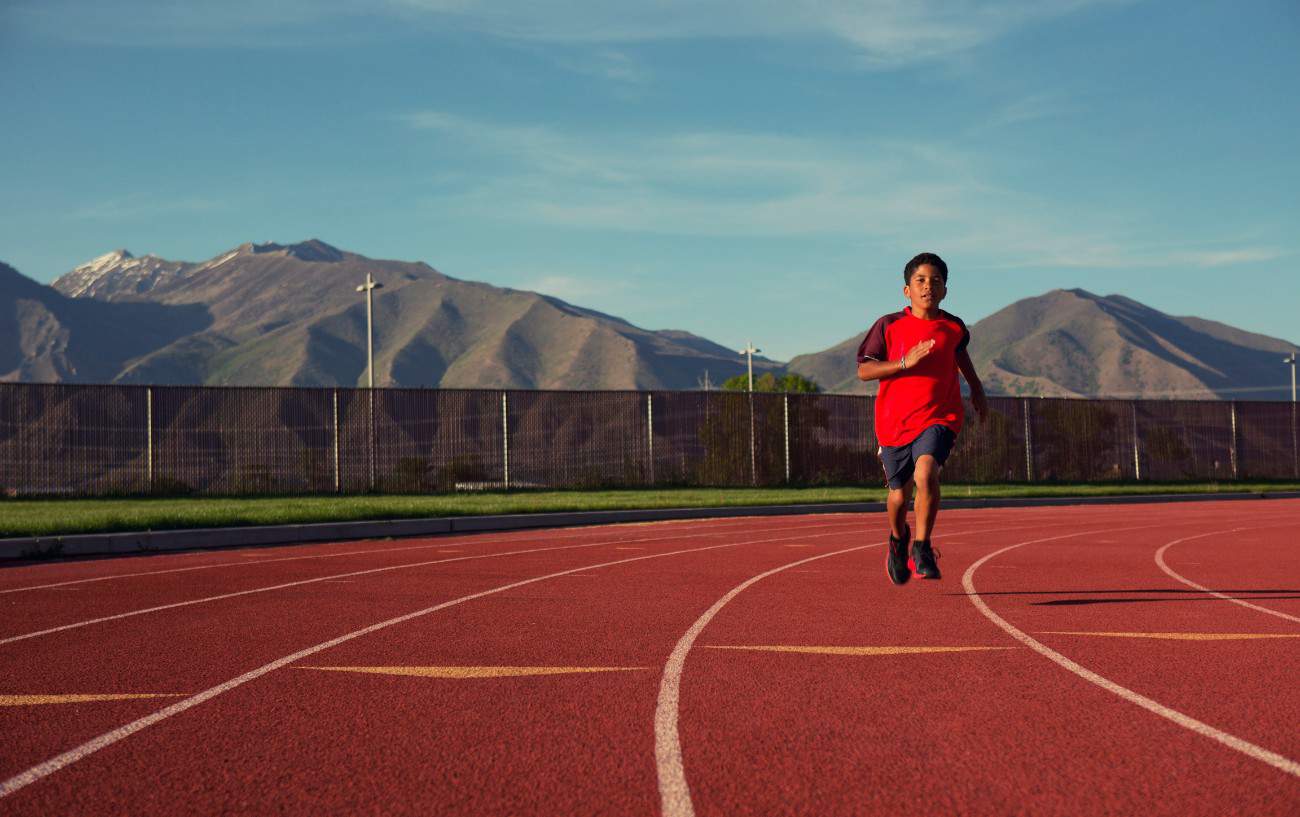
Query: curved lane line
(674, 791)
(337, 576)
(367, 552)
(88, 748)
(1160, 561)
(1247, 748)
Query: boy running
(915, 354)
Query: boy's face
(925, 289)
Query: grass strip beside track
(48, 517)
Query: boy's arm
(976, 387)
(880, 369)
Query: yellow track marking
(474, 672)
(35, 700)
(850, 650)
(1181, 636)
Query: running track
(1080, 661)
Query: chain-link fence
(79, 440)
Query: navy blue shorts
(900, 460)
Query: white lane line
(674, 791)
(561, 534)
(1231, 741)
(1160, 561)
(88, 748)
(301, 582)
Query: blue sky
(758, 169)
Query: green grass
(23, 517)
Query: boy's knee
(927, 471)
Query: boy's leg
(896, 503)
(896, 564)
(897, 461)
(926, 478)
(931, 449)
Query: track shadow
(1078, 602)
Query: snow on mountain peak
(118, 273)
(108, 259)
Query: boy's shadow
(1165, 594)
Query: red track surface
(1045, 717)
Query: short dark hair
(921, 260)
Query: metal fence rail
(82, 440)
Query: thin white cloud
(1098, 248)
(137, 206)
(704, 183)
(610, 64)
(1231, 257)
(722, 184)
(1024, 110)
(697, 183)
(569, 287)
(191, 23)
(883, 32)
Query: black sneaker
(924, 557)
(896, 558)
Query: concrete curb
(96, 544)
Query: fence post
(337, 481)
(1029, 441)
(505, 441)
(650, 432)
(1233, 451)
(1137, 459)
(785, 410)
(370, 436)
(1295, 442)
(148, 416)
(753, 461)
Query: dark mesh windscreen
(72, 440)
(76, 440)
(832, 441)
(213, 440)
(1267, 444)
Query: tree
(768, 382)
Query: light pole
(1295, 426)
(749, 351)
(369, 287)
(1290, 359)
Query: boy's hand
(917, 352)
(980, 403)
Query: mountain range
(290, 315)
(1072, 343)
(275, 314)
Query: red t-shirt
(923, 395)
